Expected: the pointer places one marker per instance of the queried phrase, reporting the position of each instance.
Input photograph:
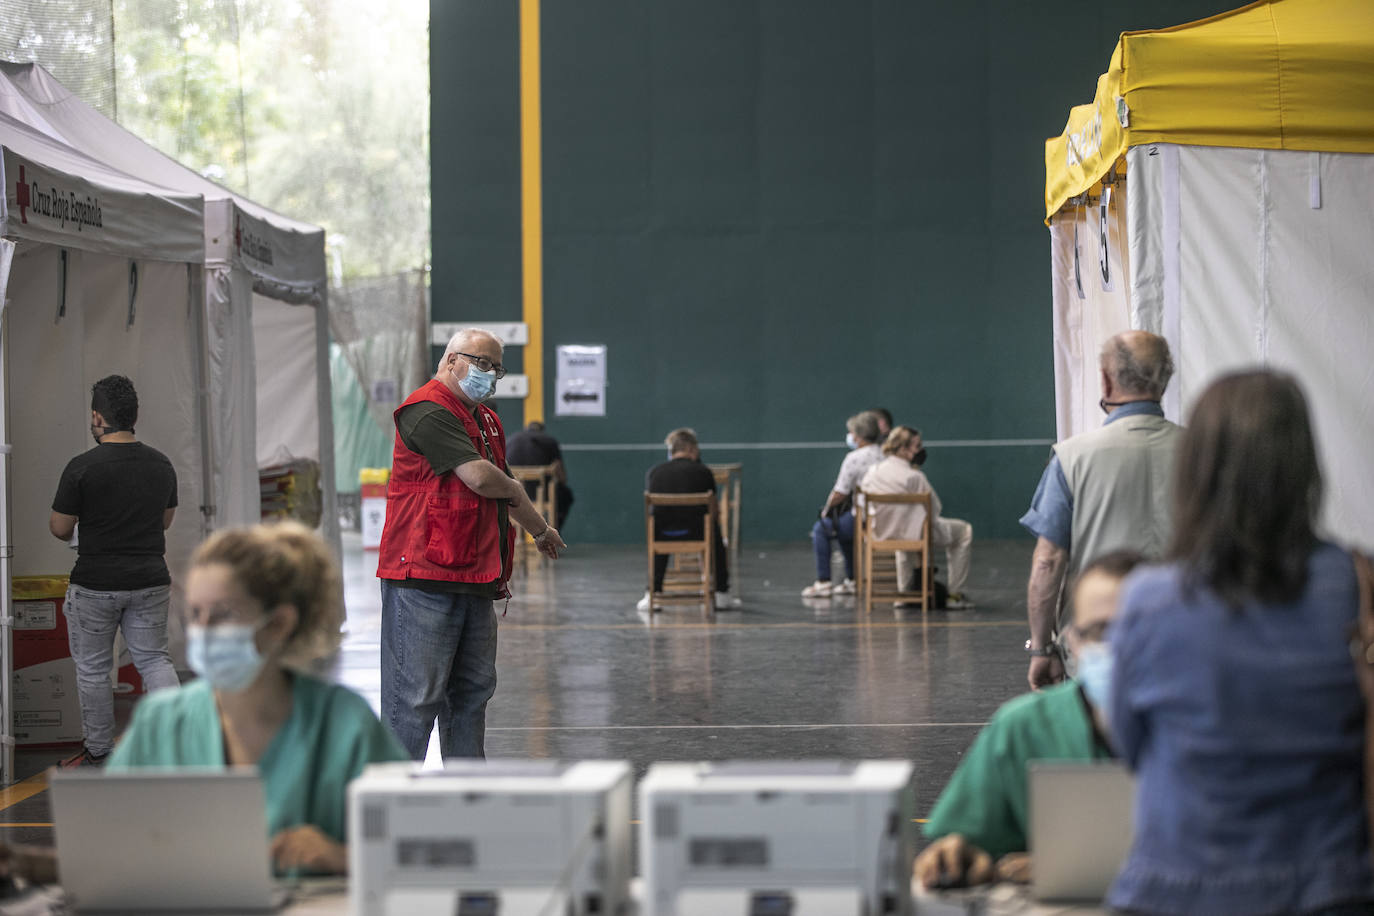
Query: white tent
(1219, 190)
(100, 273)
(266, 306)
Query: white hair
(461, 340)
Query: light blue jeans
(438, 662)
(92, 618)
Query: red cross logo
(21, 196)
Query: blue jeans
(822, 533)
(438, 662)
(92, 618)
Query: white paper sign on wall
(580, 389)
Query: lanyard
(482, 431)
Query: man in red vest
(446, 552)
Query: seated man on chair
(899, 472)
(982, 814)
(684, 472)
(534, 447)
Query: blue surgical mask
(225, 654)
(477, 384)
(850, 441)
(1094, 673)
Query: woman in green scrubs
(262, 604)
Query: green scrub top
(329, 736)
(987, 798)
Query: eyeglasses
(486, 365)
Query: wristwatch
(1049, 651)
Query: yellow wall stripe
(532, 207)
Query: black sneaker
(84, 759)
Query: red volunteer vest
(437, 528)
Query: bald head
(1137, 364)
(464, 339)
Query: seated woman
(261, 604)
(1235, 699)
(897, 473)
(836, 523)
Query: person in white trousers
(899, 472)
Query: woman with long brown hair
(1234, 695)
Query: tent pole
(6, 548)
(195, 295)
(329, 522)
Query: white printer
(803, 838)
(491, 838)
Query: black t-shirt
(679, 475)
(532, 447)
(118, 492)
(431, 430)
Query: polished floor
(584, 675)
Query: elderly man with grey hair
(446, 551)
(1103, 490)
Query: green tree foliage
(72, 38)
(317, 108)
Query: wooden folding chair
(728, 478)
(690, 579)
(879, 561)
(545, 475)
(861, 523)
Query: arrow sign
(581, 386)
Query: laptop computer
(174, 839)
(1081, 823)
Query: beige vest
(1121, 477)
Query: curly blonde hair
(285, 563)
(899, 438)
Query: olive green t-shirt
(428, 429)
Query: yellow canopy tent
(1219, 190)
(1278, 74)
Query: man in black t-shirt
(533, 447)
(123, 493)
(684, 472)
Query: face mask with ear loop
(477, 384)
(225, 654)
(1093, 671)
(98, 431)
(1108, 406)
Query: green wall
(775, 213)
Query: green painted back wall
(775, 213)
